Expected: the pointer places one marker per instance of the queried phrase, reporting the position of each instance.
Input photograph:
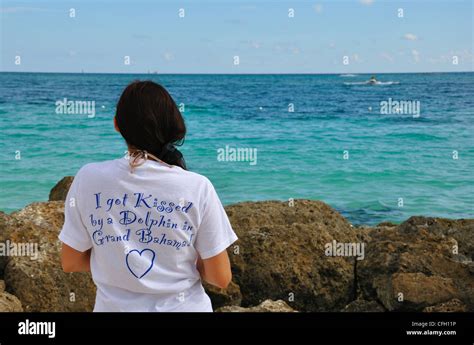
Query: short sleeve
(74, 233)
(215, 233)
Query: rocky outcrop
(37, 278)
(462, 230)
(59, 191)
(264, 307)
(413, 291)
(408, 268)
(280, 254)
(279, 263)
(8, 302)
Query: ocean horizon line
(228, 74)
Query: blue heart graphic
(137, 271)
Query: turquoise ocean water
(300, 154)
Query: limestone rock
(409, 260)
(59, 191)
(4, 235)
(414, 291)
(8, 302)
(38, 280)
(280, 254)
(451, 306)
(223, 297)
(462, 230)
(361, 305)
(264, 307)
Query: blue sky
(211, 33)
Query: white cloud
(318, 8)
(366, 2)
(410, 37)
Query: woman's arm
(216, 270)
(75, 261)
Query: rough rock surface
(280, 254)
(41, 284)
(4, 236)
(223, 297)
(451, 306)
(59, 191)
(462, 230)
(411, 261)
(361, 305)
(264, 307)
(413, 291)
(8, 302)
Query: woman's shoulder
(97, 167)
(194, 177)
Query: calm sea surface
(398, 164)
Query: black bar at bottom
(237, 328)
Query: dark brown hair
(148, 119)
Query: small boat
(372, 80)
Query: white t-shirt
(146, 230)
